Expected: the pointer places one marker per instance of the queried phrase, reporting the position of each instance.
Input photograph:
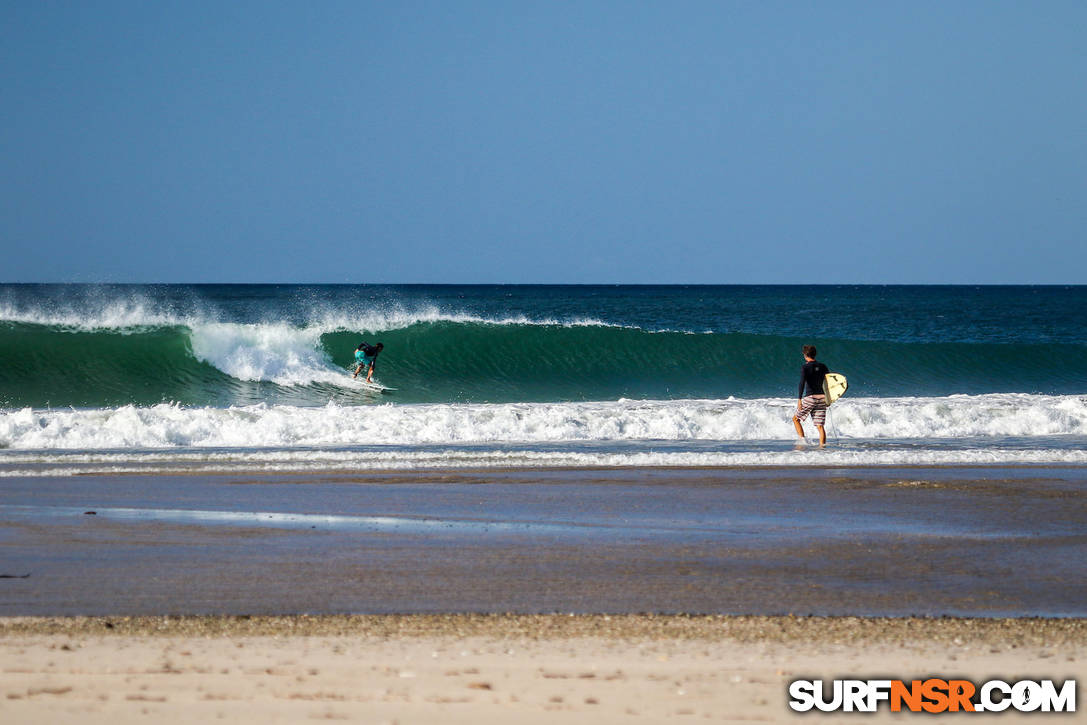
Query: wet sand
(495, 668)
(893, 542)
(618, 547)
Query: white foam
(278, 353)
(266, 426)
(393, 460)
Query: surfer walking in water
(811, 399)
(366, 357)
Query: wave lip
(116, 315)
(136, 312)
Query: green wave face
(481, 362)
(50, 366)
(43, 366)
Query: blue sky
(580, 142)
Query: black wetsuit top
(369, 351)
(811, 378)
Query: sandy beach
(755, 578)
(496, 668)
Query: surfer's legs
(357, 371)
(803, 407)
(369, 373)
(816, 406)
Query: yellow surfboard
(834, 386)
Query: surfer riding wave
(366, 357)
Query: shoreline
(633, 470)
(186, 469)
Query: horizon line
(561, 284)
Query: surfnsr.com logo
(932, 695)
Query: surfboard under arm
(834, 386)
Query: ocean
(216, 378)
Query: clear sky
(552, 141)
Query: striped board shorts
(817, 406)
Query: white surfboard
(834, 386)
(375, 386)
